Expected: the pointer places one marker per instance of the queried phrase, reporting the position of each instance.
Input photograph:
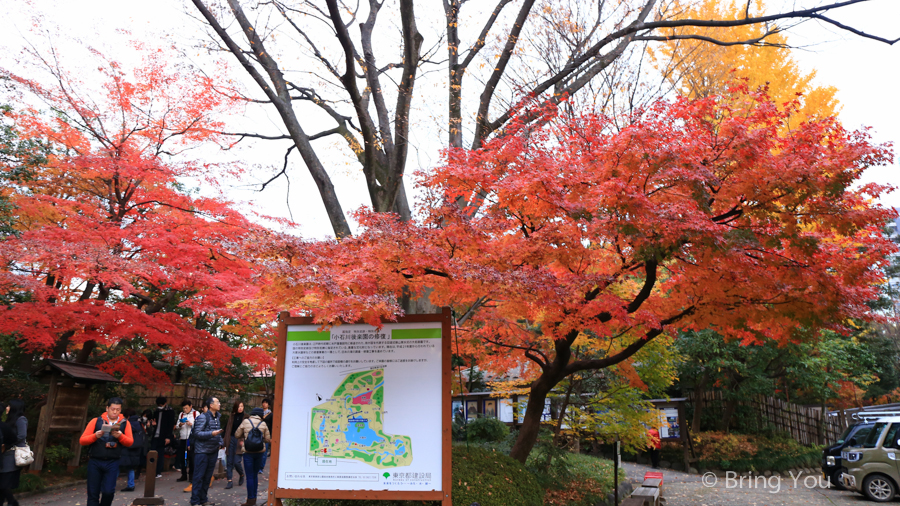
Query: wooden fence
(803, 423)
(196, 394)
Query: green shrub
(30, 483)
(57, 456)
(486, 430)
(458, 431)
(15, 384)
(80, 472)
(743, 452)
(492, 479)
(590, 480)
(571, 479)
(479, 475)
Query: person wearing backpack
(255, 434)
(105, 448)
(233, 447)
(133, 456)
(183, 452)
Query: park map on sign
(350, 425)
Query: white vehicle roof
(876, 416)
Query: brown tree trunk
(85, 352)
(531, 422)
(552, 374)
(730, 407)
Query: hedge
(480, 475)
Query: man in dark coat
(207, 436)
(162, 426)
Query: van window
(891, 440)
(845, 434)
(875, 435)
(861, 434)
(858, 431)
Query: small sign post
(617, 461)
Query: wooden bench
(635, 501)
(648, 494)
(653, 483)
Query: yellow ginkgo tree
(759, 54)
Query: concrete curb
(625, 489)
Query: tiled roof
(82, 372)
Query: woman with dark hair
(7, 442)
(234, 453)
(16, 428)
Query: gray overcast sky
(865, 72)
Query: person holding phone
(183, 452)
(207, 440)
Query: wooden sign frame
(275, 494)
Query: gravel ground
(166, 487)
(681, 489)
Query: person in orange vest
(105, 448)
(655, 446)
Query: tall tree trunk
(552, 374)
(531, 422)
(85, 352)
(730, 407)
(88, 347)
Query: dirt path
(681, 489)
(166, 487)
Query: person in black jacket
(267, 418)
(162, 426)
(7, 440)
(233, 449)
(207, 440)
(133, 456)
(13, 431)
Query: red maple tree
(591, 239)
(114, 260)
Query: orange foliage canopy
(591, 240)
(697, 215)
(114, 256)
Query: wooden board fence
(805, 424)
(196, 394)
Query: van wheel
(879, 488)
(836, 482)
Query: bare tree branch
(278, 93)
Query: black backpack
(254, 441)
(137, 432)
